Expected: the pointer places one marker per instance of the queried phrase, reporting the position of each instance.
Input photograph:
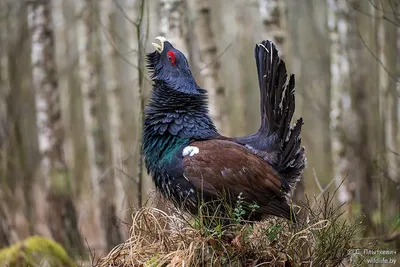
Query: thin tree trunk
(310, 61)
(134, 25)
(388, 83)
(20, 173)
(398, 82)
(150, 13)
(243, 87)
(389, 169)
(93, 107)
(141, 97)
(108, 209)
(90, 90)
(273, 14)
(358, 101)
(172, 23)
(62, 217)
(61, 56)
(364, 94)
(4, 90)
(339, 84)
(5, 227)
(78, 158)
(398, 109)
(210, 65)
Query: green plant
(273, 231)
(238, 211)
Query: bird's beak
(157, 47)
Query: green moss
(34, 251)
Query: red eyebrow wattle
(172, 57)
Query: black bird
(188, 159)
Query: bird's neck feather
(172, 120)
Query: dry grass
(161, 239)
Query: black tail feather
(276, 141)
(277, 107)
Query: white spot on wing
(190, 151)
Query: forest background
(73, 86)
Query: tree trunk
(273, 14)
(21, 131)
(140, 62)
(90, 89)
(132, 91)
(390, 172)
(5, 227)
(61, 214)
(172, 23)
(210, 65)
(108, 209)
(310, 62)
(388, 83)
(4, 91)
(339, 84)
(365, 98)
(73, 101)
(94, 111)
(355, 103)
(62, 55)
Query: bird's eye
(171, 56)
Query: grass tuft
(321, 238)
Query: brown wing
(222, 165)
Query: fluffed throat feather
(166, 98)
(152, 59)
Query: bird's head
(170, 65)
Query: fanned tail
(277, 109)
(276, 141)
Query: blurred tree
(115, 104)
(89, 48)
(62, 218)
(5, 229)
(4, 90)
(389, 105)
(210, 64)
(338, 23)
(70, 95)
(390, 173)
(135, 56)
(120, 126)
(108, 209)
(173, 19)
(92, 96)
(22, 150)
(243, 89)
(273, 15)
(309, 59)
(365, 138)
(355, 115)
